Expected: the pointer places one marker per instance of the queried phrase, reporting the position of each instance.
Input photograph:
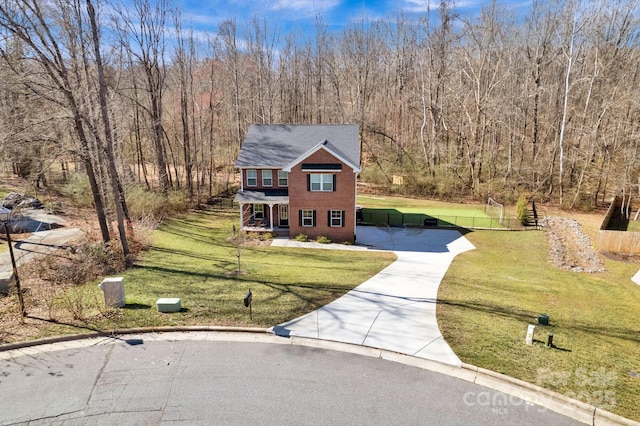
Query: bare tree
(116, 187)
(142, 33)
(32, 22)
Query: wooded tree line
(542, 101)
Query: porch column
(270, 217)
(241, 216)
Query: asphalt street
(203, 378)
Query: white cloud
(306, 7)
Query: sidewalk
(396, 309)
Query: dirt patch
(623, 257)
(569, 247)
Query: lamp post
(5, 216)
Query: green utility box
(543, 319)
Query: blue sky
(205, 15)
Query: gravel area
(569, 247)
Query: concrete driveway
(48, 234)
(396, 309)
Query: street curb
(117, 332)
(528, 392)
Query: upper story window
(321, 182)
(283, 178)
(267, 178)
(252, 178)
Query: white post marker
(530, 331)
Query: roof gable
(327, 147)
(281, 145)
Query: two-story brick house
(300, 179)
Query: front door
(284, 215)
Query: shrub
(303, 238)
(522, 211)
(87, 262)
(77, 188)
(143, 203)
(266, 236)
(176, 202)
(323, 240)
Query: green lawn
(191, 259)
(487, 299)
(490, 295)
(406, 211)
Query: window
(336, 218)
(252, 178)
(267, 178)
(258, 211)
(321, 182)
(307, 217)
(283, 178)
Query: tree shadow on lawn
(100, 332)
(531, 317)
(282, 288)
(318, 296)
(180, 232)
(184, 253)
(292, 289)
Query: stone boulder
(15, 200)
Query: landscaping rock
(15, 200)
(569, 247)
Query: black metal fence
(386, 218)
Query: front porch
(263, 212)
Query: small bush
(303, 238)
(266, 236)
(323, 240)
(75, 301)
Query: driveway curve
(396, 309)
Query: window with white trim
(267, 178)
(252, 178)
(335, 218)
(283, 178)
(321, 182)
(258, 211)
(307, 217)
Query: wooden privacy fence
(617, 241)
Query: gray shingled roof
(277, 145)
